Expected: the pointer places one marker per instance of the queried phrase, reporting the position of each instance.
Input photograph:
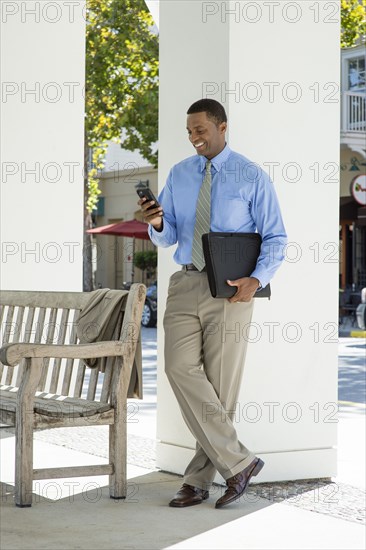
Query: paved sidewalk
(77, 513)
(348, 327)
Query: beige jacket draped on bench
(101, 320)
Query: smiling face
(206, 137)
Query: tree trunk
(87, 245)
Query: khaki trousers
(205, 348)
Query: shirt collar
(217, 161)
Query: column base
(278, 466)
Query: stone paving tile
(94, 440)
(323, 496)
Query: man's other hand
(246, 289)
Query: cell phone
(145, 192)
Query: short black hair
(211, 107)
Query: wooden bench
(46, 384)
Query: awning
(130, 228)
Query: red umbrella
(130, 228)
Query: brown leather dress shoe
(237, 484)
(188, 496)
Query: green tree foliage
(147, 259)
(121, 92)
(353, 22)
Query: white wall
(42, 49)
(153, 6)
(291, 365)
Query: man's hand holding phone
(152, 212)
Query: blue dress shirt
(243, 199)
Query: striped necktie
(203, 215)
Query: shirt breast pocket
(231, 214)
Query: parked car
(150, 311)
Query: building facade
(113, 255)
(353, 169)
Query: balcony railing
(354, 112)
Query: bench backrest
(51, 317)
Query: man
(203, 364)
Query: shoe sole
(257, 468)
(173, 505)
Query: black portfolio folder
(231, 256)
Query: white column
(43, 66)
(275, 67)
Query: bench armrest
(11, 354)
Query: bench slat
(7, 332)
(40, 324)
(18, 327)
(68, 300)
(106, 390)
(26, 340)
(60, 340)
(2, 310)
(55, 405)
(29, 325)
(73, 471)
(18, 324)
(13, 373)
(93, 381)
(8, 324)
(70, 362)
(41, 422)
(39, 328)
(49, 340)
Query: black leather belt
(191, 267)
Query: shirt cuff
(158, 237)
(260, 274)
